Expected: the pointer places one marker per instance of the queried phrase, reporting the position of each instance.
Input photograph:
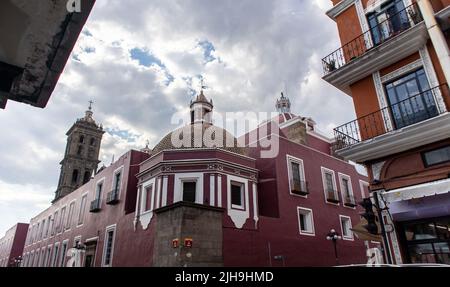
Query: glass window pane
(422, 253)
(437, 156)
(420, 231)
(189, 191)
(236, 194)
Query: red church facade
(209, 206)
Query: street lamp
(334, 237)
(17, 261)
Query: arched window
(82, 139)
(75, 176)
(87, 176)
(92, 141)
(80, 150)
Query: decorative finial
(90, 105)
(147, 143)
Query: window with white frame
(237, 195)
(108, 248)
(60, 227)
(296, 172)
(41, 258)
(70, 215)
(148, 193)
(364, 186)
(36, 258)
(117, 182)
(347, 190)
(189, 190)
(47, 256)
(82, 209)
(346, 225)
(54, 223)
(62, 258)
(55, 255)
(305, 221)
(98, 191)
(47, 228)
(329, 185)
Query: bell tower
(201, 109)
(82, 152)
(283, 104)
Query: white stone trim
(432, 77)
(239, 217)
(364, 24)
(325, 170)
(382, 101)
(363, 183)
(289, 160)
(406, 69)
(105, 242)
(212, 190)
(219, 190)
(339, 8)
(178, 190)
(145, 216)
(313, 231)
(164, 190)
(351, 237)
(115, 172)
(158, 192)
(255, 204)
(342, 176)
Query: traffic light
(369, 215)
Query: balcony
(95, 206)
(332, 196)
(397, 37)
(349, 200)
(299, 187)
(112, 197)
(410, 123)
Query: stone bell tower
(81, 156)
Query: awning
(418, 191)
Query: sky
(141, 61)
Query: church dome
(198, 136)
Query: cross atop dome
(283, 104)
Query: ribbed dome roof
(202, 135)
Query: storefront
(426, 241)
(421, 217)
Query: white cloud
(261, 47)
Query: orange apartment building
(394, 61)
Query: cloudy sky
(140, 62)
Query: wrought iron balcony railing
(349, 200)
(299, 187)
(95, 205)
(332, 196)
(375, 36)
(412, 110)
(112, 197)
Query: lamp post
(333, 236)
(17, 261)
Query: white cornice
(339, 8)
